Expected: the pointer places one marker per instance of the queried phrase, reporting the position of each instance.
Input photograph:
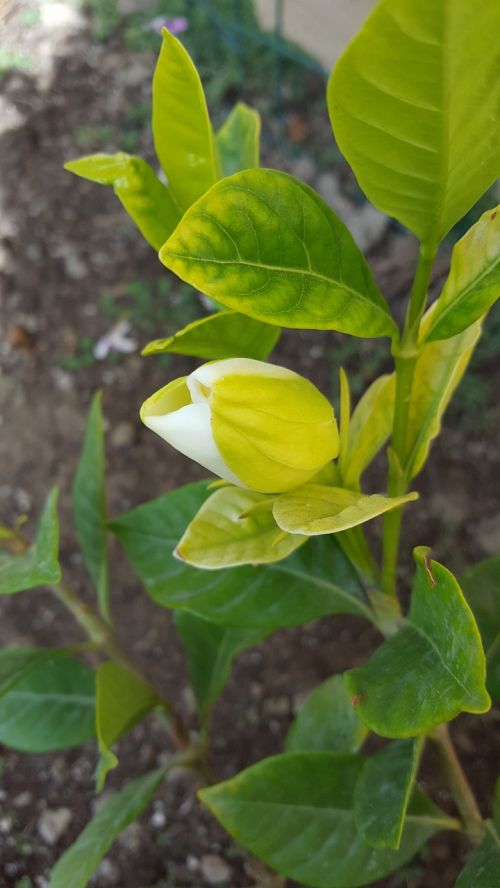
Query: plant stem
(459, 785)
(405, 357)
(102, 635)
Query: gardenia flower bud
(253, 424)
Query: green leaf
(383, 793)
(210, 650)
(326, 722)
(294, 811)
(89, 504)
(429, 671)
(183, 135)
(481, 587)
(238, 140)
(147, 200)
(439, 370)
(415, 105)
(122, 700)
(316, 509)
(51, 708)
(232, 527)
(314, 581)
(17, 662)
(369, 429)
(482, 869)
(473, 284)
(265, 244)
(75, 867)
(226, 334)
(38, 565)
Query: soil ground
(63, 243)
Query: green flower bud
(254, 424)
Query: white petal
(188, 430)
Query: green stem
(459, 785)
(100, 633)
(405, 357)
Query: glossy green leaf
(89, 504)
(481, 587)
(482, 869)
(326, 722)
(265, 244)
(122, 700)
(430, 670)
(238, 140)
(314, 581)
(235, 526)
(383, 793)
(38, 565)
(315, 509)
(51, 708)
(226, 334)
(147, 200)
(210, 650)
(17, 662)
(473, 284)
(369, 429)
(439, 370)
(75, 867)
(415, 107)
(183, 135)
(294, 811)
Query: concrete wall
(321, 27)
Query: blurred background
(81, 293)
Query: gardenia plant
(414, 103)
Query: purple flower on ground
(176, 25)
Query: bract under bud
(252, 423)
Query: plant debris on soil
(72, 267)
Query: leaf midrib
(456, 302)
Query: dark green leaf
(147, 200)
(430, 670)
(326, 722)
(294, 811)
(183, 136)
(267, 245)
(226, 334)
(314, 581)
(77, 864)
(89, 504)
(52, 707)
(481, 586)
(38, 565)
(210, 650)
(415, 107)
(482, 869)
(17, 662)
(383, 792)
(238, 140)
(122, 700)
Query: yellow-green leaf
(316, 509)
(235, 526)
(226, 334)
(122, 700)
(147, 200)
(415, 107)
(38, 565)
(473, 284)
(369, 429)
(438, 372)
(238, 140)
(265, 244)
(183, 135)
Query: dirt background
(71, 265)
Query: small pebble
(214, 869)
(52, 823)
